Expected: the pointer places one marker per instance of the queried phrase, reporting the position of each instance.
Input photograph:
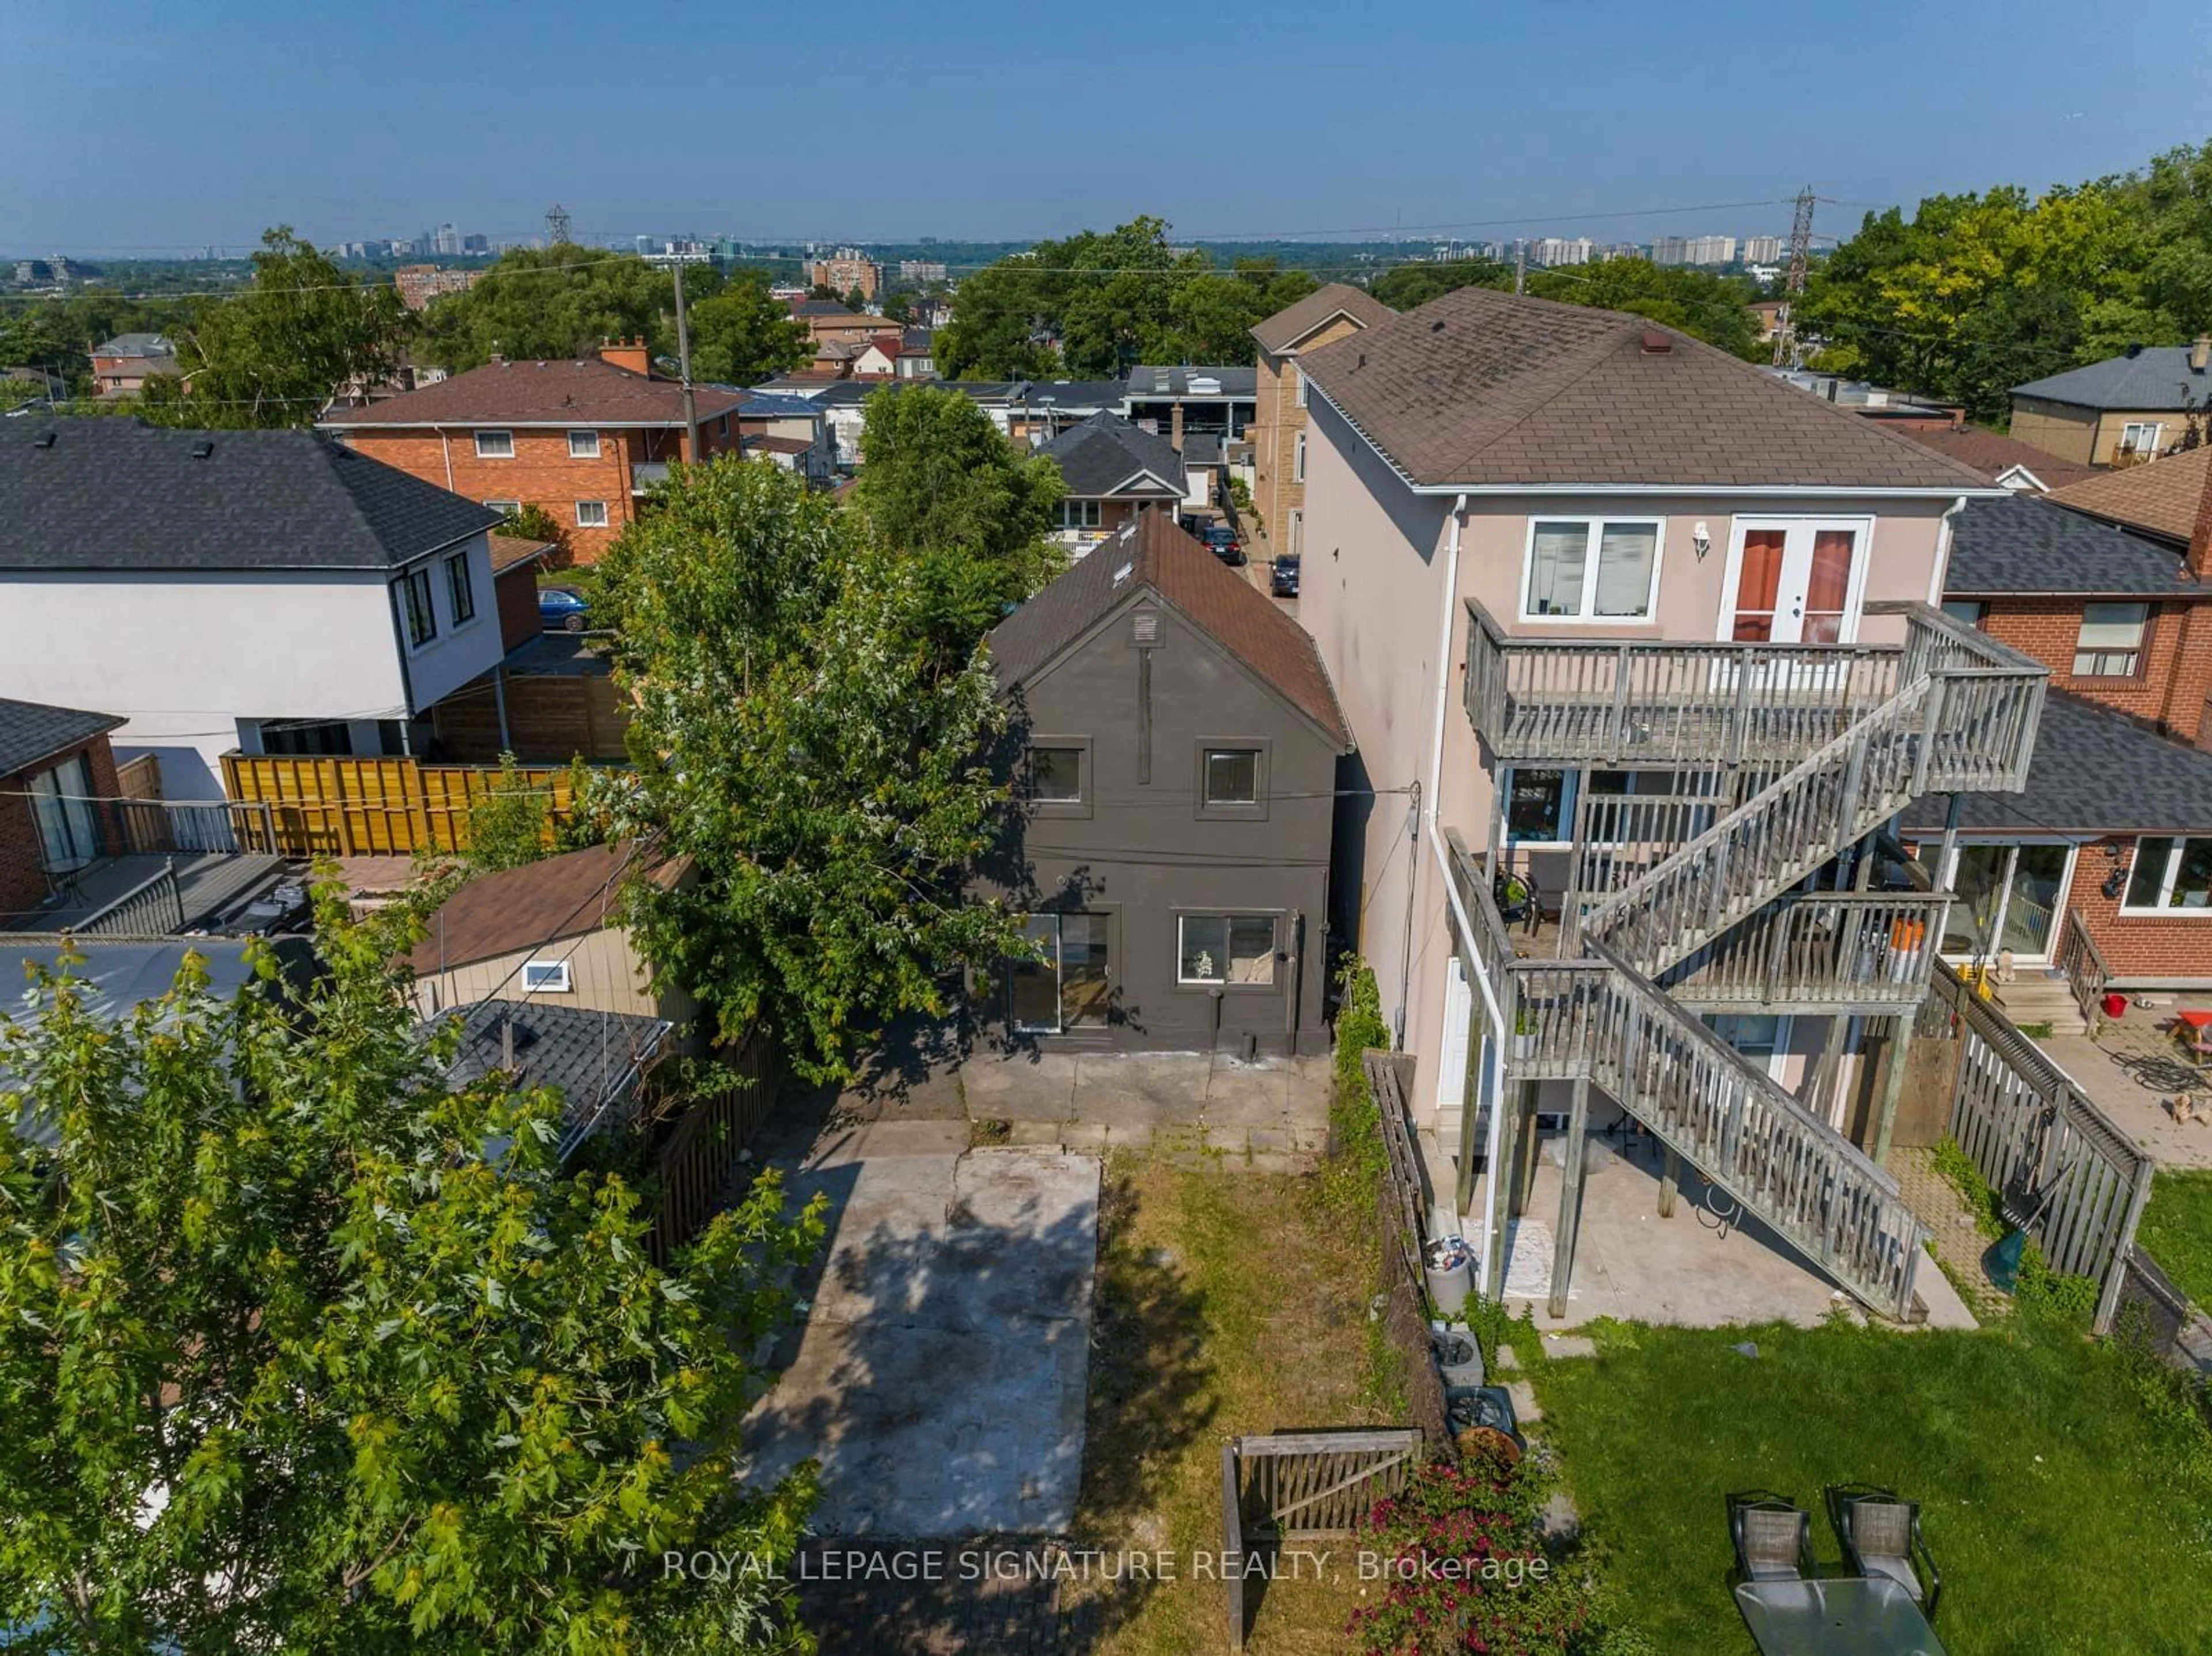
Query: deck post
(1570, 1198)
(1470, 1107)
(1524, 1171)
(1893, 1084)
(1500, 1174)
(1670, 1180)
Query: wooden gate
(1305, 1486)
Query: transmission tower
(557, 224)
(1801, 245)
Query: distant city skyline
(1674, 108)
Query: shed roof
(519, 908)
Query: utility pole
(683, 368)
(1520, 264)
(1801, 245)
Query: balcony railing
(1848, 951)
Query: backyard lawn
(2177, 1229)
(1229, 1302)
(2065, 1493)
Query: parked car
(562, 610)
(1221, 540)
(1283, 578)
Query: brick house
(585, 438)
(2135, 406)
(1113, 470)
(53, 761)
(121, 366)
(1279, 425)
(2112, 840)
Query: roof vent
(44, 439)
(1204, 385)
(1124, 572)
(1656, 343)
(1145, 627)
(203, 448)
(1363, 360)
(2134, 349)
(1436, 326)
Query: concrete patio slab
(2131, 1070)
(1019, 1086)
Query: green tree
(802, 737)
(531, 521)
(300, 1349)
(1406, 287)
(942, 486)
(1703, 304)
(534, 303)
(512, 825)
(272, 354)
(744, 335)
(899, 307)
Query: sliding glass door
(2009, 897)
(1068, 985)
(61, 805)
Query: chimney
(629, 354)
(2198, 561)
(1175, 430)
(2200, 354)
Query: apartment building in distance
(845, 269)
(1278, 432)
(419, 284)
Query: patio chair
(1773, 1538)
(1881, 1537)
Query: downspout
(1941, 577)
(1482, 983)
(446, 449)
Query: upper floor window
(2140, 437)
(2171, 873)
(1232, 779)
(583, 445)
(1591, 569)
(1080, 514)
(494, 446)
(460, 589)
(1055, 775)
(1298, 460)
(591, 514)
(415, 598)
(504, 508)
(2111, 645)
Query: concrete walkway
(2131, 1071)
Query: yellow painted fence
(371, 807)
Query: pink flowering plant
(1462, 1568)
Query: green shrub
(1981, 1198)
(1354, 1171)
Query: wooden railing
(155, 907)
(372, 807)
(2088, 973)
(2027, 1127)
(140, 827)
(1847, 950)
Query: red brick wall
(540, 469)
(22, 884)
(2138, 946)
(2172, 679)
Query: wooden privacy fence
(696, 1163)
(2028, 1128)
(1305, 1486)
(372, 807)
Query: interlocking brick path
(1958, 1245)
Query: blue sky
(130, 125)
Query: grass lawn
(2177, 1229)
(2066, 1496)
(1228, 1302)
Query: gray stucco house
(1175, 744)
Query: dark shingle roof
(2159, 497)
(32, 731)
(117, 494)
(1294, 322)
(2094, 772)
(1230, 381)
(2156, 378)
(1092, 395)
(1480, 388)
(136, 344)
(591, 1057)
(1105, 451)
(1993, 455)
(2024, 544)
(563, 391)
(1152, 554)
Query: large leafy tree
(945, 488)
(556, 301)
(1405, 287)
(1703, 304)
(743, 335)
(272, 354)
(810, 736)
(301, 1348)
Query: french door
(61, 806)
(1795, 580)
(1069, 985)
(2009, 898)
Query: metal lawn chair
(1881, 1537)
(1773, 1538)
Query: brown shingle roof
(566, 392)
(1483, 389)
(520, 908)
(2159, 497)
(1278, 333)
(1993, 455)
(1217, 600)
(512, 551)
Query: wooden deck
(210, 885)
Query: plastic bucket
(2115, 1003)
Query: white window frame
(1299, 459)
(1298, 532)
(1593, 537)
(589, 448)
(583, 521)
(546, 978)
(1298, 381)
(1087, 514)
(1275, 947)
(2134, 653)
(1741, 529)
(504, 508)
(495, 454)
(2164, 909)
(2155, 427)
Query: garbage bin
(1449, 1264)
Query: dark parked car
(1221, 540)
(1283, 578)
(562, 609)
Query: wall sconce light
(2115, 882)
(1701, 538)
